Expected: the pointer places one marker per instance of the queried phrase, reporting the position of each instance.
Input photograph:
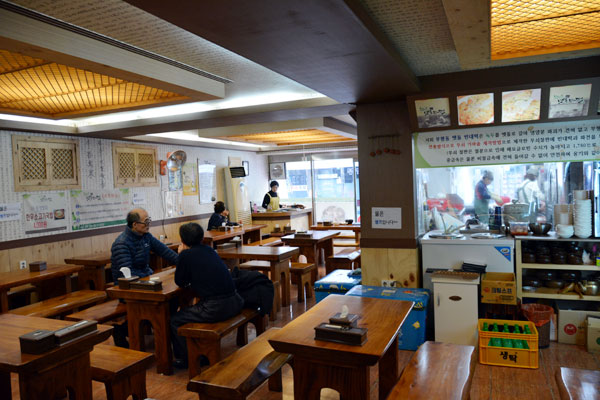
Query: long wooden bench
(578, 384)
(61, 305)
(104, 312)
(437, 371)
(242, 372)
(268, 242)
(345, 259)
(205, 338)
(302, 273)
(122, 371)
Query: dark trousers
(213, 310)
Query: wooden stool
(242, 372)
(303, 272)
(205, 338)
(345, 259)
(122, 371)
(578, 384)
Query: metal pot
(589, 288)
(515, 212)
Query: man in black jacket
(200, 269)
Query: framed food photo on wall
(433, 113)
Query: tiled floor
(489, 382)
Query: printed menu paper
(44, 212)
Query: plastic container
(526, 357)
(519, 228)
(540, 315)
(337, 282)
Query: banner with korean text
(509, 144)
(95, 209)
(45, 212)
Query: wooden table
(212, 238)
(279, 258)
(252, 232)
(345, 368)
(153, 307)
(310, 247)
(341, 227)
(93, 274)
(24, 276)
(46, 376)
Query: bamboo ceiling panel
(544, 26)
(286, 138)
(33, 86)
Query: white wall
(97, 174)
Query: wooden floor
(489, 382)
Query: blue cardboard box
(412, 333)
(337, 282)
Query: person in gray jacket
(132, 248)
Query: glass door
(334, 189)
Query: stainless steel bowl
(540, 228)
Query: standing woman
(271, 200)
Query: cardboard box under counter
(498, 288)
(593, 334)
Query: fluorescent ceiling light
(194, 137)
(189, 108)
(33, 120)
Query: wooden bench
(269, 242)
(205, 338)
(122, 371)
(256, 265)
(346, 244)
(302, 273)
(61, 305)
(103, 312)
(578, 384)
(345, 259)
(20, 296)
(242, 372)
(437, 371)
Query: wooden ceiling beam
(333, 47)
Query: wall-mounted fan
(175, 160)
(277, 171)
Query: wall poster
(569, 101)
(44, 212)
(173, 204)
(514, 144)
(475, 109)
(10, 212)
(207, 181)
(190, 185)
(386, 218)
(521, 105)
(95, 209)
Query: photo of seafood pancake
(476, 109)
(521, 105)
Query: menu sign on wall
(544, 142)
(95, 209)
(44, 212)
(10, 212)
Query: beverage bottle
(527, 330)
(506, 342)
(525, 345)
(497, 342)
(485, 327)
(517, 329)
(495, 328)
(518, 344)
(491, 342)
(505, 328)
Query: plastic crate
(508, 356)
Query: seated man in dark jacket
(219, 217)
(201, 269)
(132, 248)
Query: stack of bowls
(583, 218)
(564, 231)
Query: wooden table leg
(52, 383)
(280, 271)
(388, 369)
(4, 300)
(158, 314)
(5, 387)
(94, 275)
(310, 377)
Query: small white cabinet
(455, 309)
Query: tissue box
(125, 283)
(412, 333)
(74, 331)
(37, 266)
(37, 342)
